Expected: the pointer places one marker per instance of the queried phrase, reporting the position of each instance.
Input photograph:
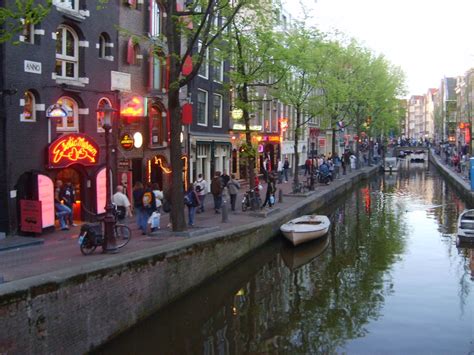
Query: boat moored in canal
(418, 156)
(466, 227)
(305, 228)
(390, 164)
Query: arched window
(155, 22)
(100, 115)
(71, 122)
(156, 126)
(102, 46)
(134, 55)
(29, 112)
(67, 53)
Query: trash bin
(471, 172)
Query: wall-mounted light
(137, 140)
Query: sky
(428, 39)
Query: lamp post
(109, 219)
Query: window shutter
(130, 52)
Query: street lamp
(110, 244)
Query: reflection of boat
(466, 227)
(391, 164)
(418, 156)
(303, 254)
(305, 228)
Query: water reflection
(387, 279)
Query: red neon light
(71, 149)
(133, 107)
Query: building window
(217, 111)
(155, 26)
(218, 66)
(100, 115)
(102, 46)
(204, 68)
(134, 55)
(202, 108)
(71, 122)
(28, 33)
(67, 53)
(156, 126)
(68, 4)
(29, 113)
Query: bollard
(225, 212)
(280, 195)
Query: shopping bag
(154, 220)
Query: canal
(388, 278)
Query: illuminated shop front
(71, 158)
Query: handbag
(154, 220)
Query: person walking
(158, 196)
(233, 186)
(216, 190)
(280, 171)
(286, 167)
(307, 167)
(192, 202)
(271, 189)
(140, 214)
(200, 186)
(119, 199)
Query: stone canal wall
(461, 185)
(75, 310)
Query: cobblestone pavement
(60, 249)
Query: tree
(308, 55)
(184, 27)
(13, 18)
(257, 58)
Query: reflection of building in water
(471, 263)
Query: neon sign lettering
(72, 149)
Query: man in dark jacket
(217, 186)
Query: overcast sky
(428, 39)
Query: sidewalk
(59, 249)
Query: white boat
(390, 164)
(466, 226)
(305, 228)
(417, 156)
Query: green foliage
(14, 18)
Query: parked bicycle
(251, 198)
(92, 235)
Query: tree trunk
(297, 158)
(174, 109)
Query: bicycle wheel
(244, 205)
(123, 234)
(87, 245)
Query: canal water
(388, 279)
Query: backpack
(188, 199)
(147, 199)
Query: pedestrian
(192, 202)
(62, 211)
(140, 214)
(270, 195)
(149, 205)
(225, 178)
(68, 196)
(216, 190)
(286, 167)
(233, 186)
(280, 171)
(265, 169)
(353, 160)
(307, 167)
(158, 196)
(200, 186)
(346, 160)
(122, 202)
